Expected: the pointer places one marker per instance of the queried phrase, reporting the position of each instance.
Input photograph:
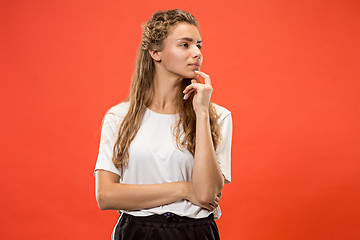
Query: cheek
(175, 56)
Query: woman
(164, 154)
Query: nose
(197, 53)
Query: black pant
(165, 227)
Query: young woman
(164, 153)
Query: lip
(196, 65)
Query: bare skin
(179, 58)
(207, 178)
(112, 195)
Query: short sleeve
(109, 133)
(223, 151)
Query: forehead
(184, 30)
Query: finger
(213, 205)
(196, 80)
(189, 90)
(208, 207)
(192, 86)
(205, 76)
(187, 95)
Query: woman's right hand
(190, 196)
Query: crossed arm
(110, 194)
(207, 179)
(204, 190)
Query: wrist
(184, 190)
(202, 113)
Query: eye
(184, 45)
(199, 46)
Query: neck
(165, 92)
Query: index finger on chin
(205, 76)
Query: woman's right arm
(112, 195)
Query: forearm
(207, 177)
(119, 196)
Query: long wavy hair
(142, 89)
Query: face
(181, 53)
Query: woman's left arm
(207, 178)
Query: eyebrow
(189, 39)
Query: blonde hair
(142, 89)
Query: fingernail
(184, 97)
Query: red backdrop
(288, 71)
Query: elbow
(207, 196)
(102, 200)
(205, 199)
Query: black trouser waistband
(166, 218)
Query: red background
(288, 71)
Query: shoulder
(221, 112)
(115, 115)
(119, 110)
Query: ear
(155, 54)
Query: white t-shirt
(154, 157)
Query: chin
(190, 75)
